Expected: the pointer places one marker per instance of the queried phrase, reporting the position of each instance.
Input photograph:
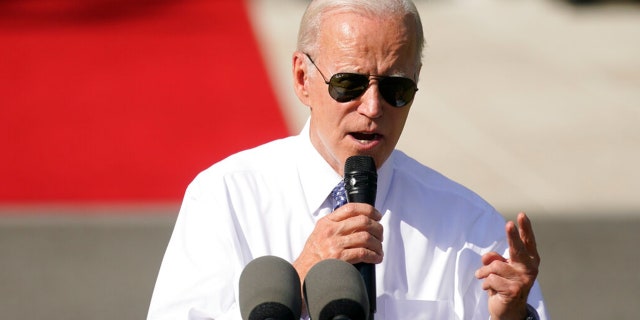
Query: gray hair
(310, 24)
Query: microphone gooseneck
(334, 290)
(270, 290)
(361, 184)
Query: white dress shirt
(266, 201)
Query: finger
(354, 209)
(527, 235)
(509, 289)
(501, 268)
(496, 268)
(356, 217)
(494, 283)
(517, 249)
(359, 247)
(355, 231)
(492, 256)
(492, 263)
(358, 255)
(360, 223)
(366, 241)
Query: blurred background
(109, 108)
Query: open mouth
(365, 137)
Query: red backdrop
(120, 101)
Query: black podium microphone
(361, 184)
(270, 290)
(334, 290)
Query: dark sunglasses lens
(397, 91)
(345, 87)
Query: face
(367, 125)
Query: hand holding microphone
(351, 233)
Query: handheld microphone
(361, 184)
(334, 290)
(270, 290)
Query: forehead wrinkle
(359, 50)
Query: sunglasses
(344, 87)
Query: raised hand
(508, 281)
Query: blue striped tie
(339, 195)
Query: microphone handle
(368, 273)
(361, 183)
(367, 270)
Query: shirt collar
(316, 175)
(318, 179)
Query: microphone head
(361, 179)
(270, 289)
(360, 163)
(334, 289)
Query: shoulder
(265, 157)
(268, 160)
(441, 209)
(441, 198)
(429, 180)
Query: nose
(371, 102)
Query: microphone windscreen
(359, 163)
(270, 289)
(361, 179)
(334, 289)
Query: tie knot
(339, 195)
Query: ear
(300, 77)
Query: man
(436, 245)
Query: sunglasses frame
(381, 86)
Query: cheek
(318, 92)
(398, 124)
(402, 118)
(329, 112)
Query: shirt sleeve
(203, 261)
(536, 302)
(485, 230)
